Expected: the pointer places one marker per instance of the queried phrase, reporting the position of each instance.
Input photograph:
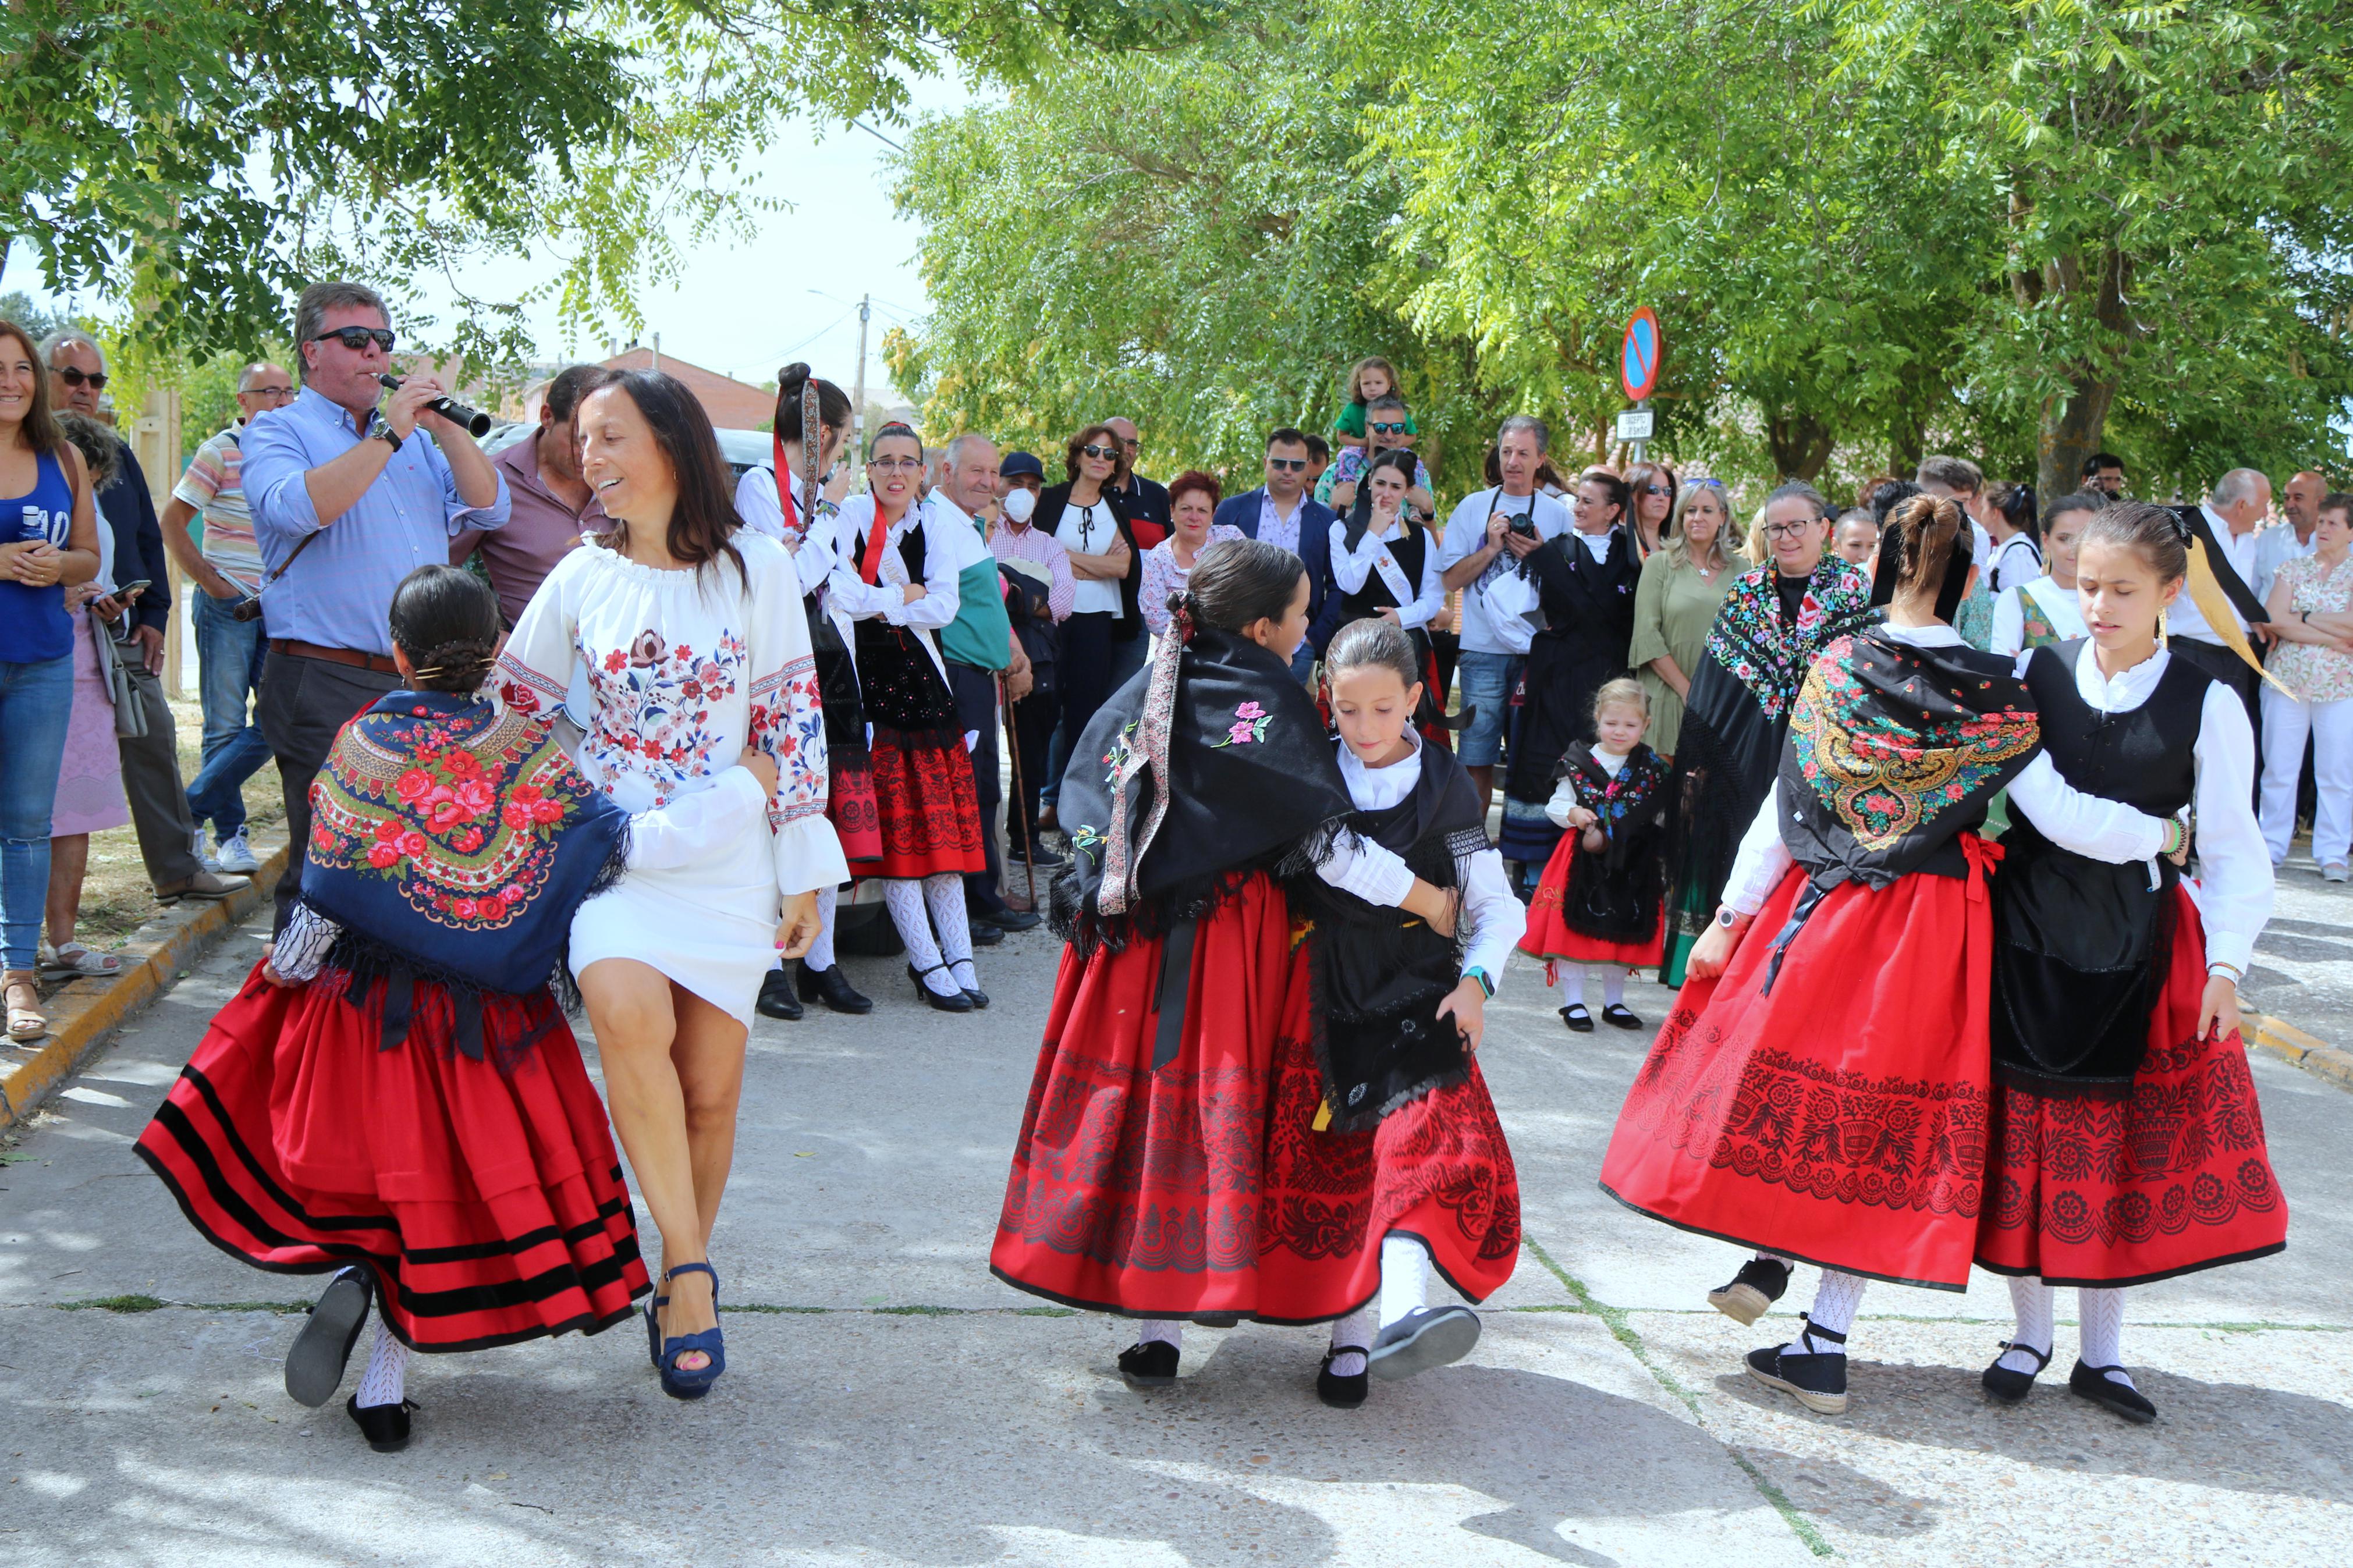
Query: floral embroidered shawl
(458, 835)
(1894, 751)
(1768, 657)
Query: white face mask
(1019, 503)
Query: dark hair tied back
(832, 403)
(1236, 582)
(446, 620)
(2161, 534)
(1924, 530)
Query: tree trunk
(2071, 428)
(1801, 443)
(2074, 422)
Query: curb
(2287, 1041)
(83, 1013)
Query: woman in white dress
(893, 585)
(692, 637)
(2043, 610)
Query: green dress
(1674, 608)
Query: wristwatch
(379, 431)
(1480, 976)
(1726, 918)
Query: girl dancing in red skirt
(2125, 1144)
(394, 1092)
(1825, 1099)
(1603, 897)
(1179, 1158)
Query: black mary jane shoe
(386, 1426)
(1007, 919)
(1343, 1393)
(983, 934)
(960, 1002)
(2094, 1383)
(832, 987)
(1618, 1017)
(1751, 1293)
(314, 1366)
(1151, 1363)
(777, 998)
(2005, 1385)
(1578, 1018)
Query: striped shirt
(213, 485)
(1008, 543)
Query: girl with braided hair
(1819, 1092)
(1186, 1154)
(394, 1092)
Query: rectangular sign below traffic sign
(1637, 424)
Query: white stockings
(1405, 1273)
(1834, 1304)
(1352, 1336)
(385, 1380)
(907, 899)
(820, 952)
(2100, 1337)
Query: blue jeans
(230, 652)
(35, 702)
(1486, 681)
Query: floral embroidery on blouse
(1249, 725)
(460, 814)
(2315, 673)
(788, 725)
(652, 703)
(1616, 801)
(1086, 840)
(1750, 641)
(1886, 773)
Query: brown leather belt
(374, 662)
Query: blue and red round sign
(1638, 358)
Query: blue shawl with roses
(454, 840)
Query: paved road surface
(889, 1403)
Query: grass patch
(1625, 1333)
(114, 1304)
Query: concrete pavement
(889, 1401)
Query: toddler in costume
(1602, 898)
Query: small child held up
(1369, 378)
(1601, 899)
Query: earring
(2160, 628)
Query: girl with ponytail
(1179, 1080)
(2120, 1085)
(788, 503)
(1852, 949)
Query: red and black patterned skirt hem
(489, 1205)
(2171, 1178)
(849, 807)
(1205, 1188)
(1839, 1118)
(928, 815)
(1550, 936)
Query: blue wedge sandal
(690, 1382)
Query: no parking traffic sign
(1638, 357)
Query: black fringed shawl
(1379, 972)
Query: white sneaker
(204, 857)
(2334, 871)
(237, 856)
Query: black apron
(2080, 946)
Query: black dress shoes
(386, 1426)
(983, 934)
(1005, 919)
(832, 987)
(2092, 1383)
(1150, 1365)
(1343, 1393)
(777, 998)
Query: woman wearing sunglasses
(1653, 487)
(1088, 514)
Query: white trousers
(2330, 724)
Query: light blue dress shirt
(339, 594)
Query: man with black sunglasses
(151, 761)
(1281, 511)
(1147, 501)
(347, 500)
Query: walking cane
(1020, 795)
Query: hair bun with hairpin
(793, 377)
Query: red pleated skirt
(1840, 1117)
(1205, 1188)
(849, 807)
(928, 817)
(2174, 1178)
(1548, 935)
(490, 1205)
